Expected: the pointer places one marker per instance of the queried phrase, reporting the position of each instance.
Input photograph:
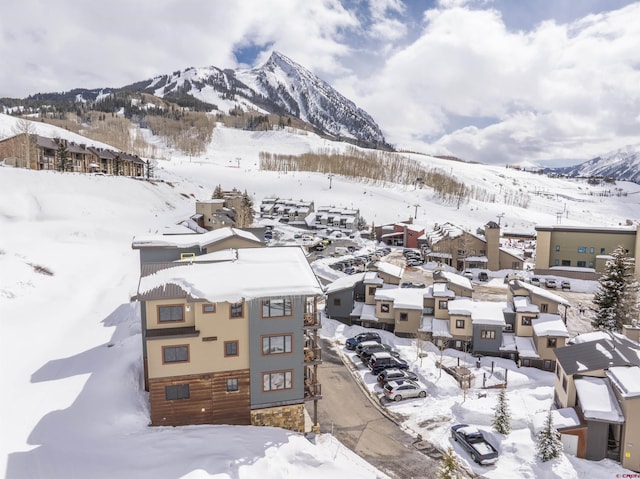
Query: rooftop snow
(541, 292)
(481, 312)
(403, 298)
(345, 282)
(257, 272)
(522, 304)
(598, 400)
(626, 379)
(190, 240)
(525, 347)
(389, 268)
(549, 325)
(457, 279)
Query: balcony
(312, 320)
(312, 355)
(312, 392)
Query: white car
(404, 388)
(550, 283)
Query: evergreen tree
(502, 417)
(217, 193)
(548, 445)
(449, 465)
(63, 156)
(247, 210)
(617, 295)
(150, 168)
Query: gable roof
(597, 400)
(598, 354)
(549, 325)
(542, 292)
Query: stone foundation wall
(286, 417)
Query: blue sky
(495, 81)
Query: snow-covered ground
(73, 405)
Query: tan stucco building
(578, 247)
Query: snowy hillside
(622, 164)
(70, 341)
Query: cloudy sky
(495, 81)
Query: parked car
(366, 353)
(414, 262)
(474, 442)
(535, 281)
(566, 285)
(365, 344)
(468, 275)
(550, 283)
(403, 388)
(483, 276)
(394, 374)
(351, 343)
(383, 360)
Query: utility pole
(330, 176)
(416, 213)
(500, 216)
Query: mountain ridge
(621, 164)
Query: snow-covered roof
(626, 379)
(476, 259)
(255, 273)
(440, 328)
(456, 279)
(357, 309)
(481, 312)
(389, 268)
(615, 350)
(403, 298)
(522, 304)
(549, 325)
(345, 282)
(190, 240)
(371, 277)
(545, 293)
(178, 229)
(508, 342)
(441, 290)
(597, 400)
(368, 312)
(563, 418)
(525, 347)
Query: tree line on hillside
(383, 167)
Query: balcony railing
(312, 355)
(312, 320)
(312, 391)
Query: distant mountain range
(280, 87)
(622, 164)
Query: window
(487, 334)
(208, 308)
(544, 308)
(276, 307)
(187, 255)
(483, 252)
(526, 320)
(552, 342)
(557, 247)
(178, 391)
(582, 249)
(590, 264)
(526, 362)
(276, 344)
(167, 314)
(557, 371)
(277, 380)
(384, 308)
(442, 304)
(556, 262)
(564, 383)
(175, 354)
(458, 344)
(515, 265)
(232, 384)
(547, 364)
(404, 317)
(581, 264)
(566, 262)
(236, 310)
(372, 290)
(592, 250)
(230, 348)
(336, 301)
(602, 250)
(460, 323)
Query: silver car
(404, 388)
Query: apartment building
(230, 337)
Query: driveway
(354, 418)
